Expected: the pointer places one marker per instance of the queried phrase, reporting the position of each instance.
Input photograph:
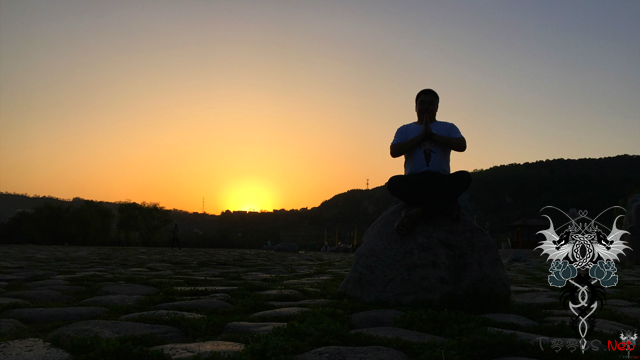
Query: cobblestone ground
(209, 302)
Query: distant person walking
(175, 238)
(427, 186)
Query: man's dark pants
(431, 191)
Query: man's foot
(407, 222)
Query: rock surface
(48, 315)
(251, 328)
(31, 349)
(394, 332)
(8, 326)
(202, 304)
(113, 300)
(111, 329)
(279, 312)
(353, 353)
(186, 351)
(442, 263)
(39, 296)
(128, 289)
(510, 318)
(161, 314)
(309, 302)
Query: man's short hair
(427, 92)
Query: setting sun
(249, 195)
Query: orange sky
(269, 105)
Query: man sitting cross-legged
(427, 186)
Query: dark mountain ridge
(498, 196)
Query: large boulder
(442, 264)
(632, 225)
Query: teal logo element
(562, 271)
(604, 271)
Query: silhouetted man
(427, 186)
(175, 238)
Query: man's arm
(399, 149)
(456, 144)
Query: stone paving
(53, 293)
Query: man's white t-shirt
(427, 156)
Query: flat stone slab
(8, 326)
(353, 353)
(633, 312)
(536, 298)
(220, 296)
(622, 303)
(46, 283)
(113, 300)
(251, 328)
(48, 315)
(40, 296)
(375, 318)
(112, 329)
(511, 318)
(69, 289)
(186, 351)
(222, 289)
(279, 312)
(394, 332)
(281, 293)
(603, 325)
(31, 349)
(280, 304)
(161, 314)
(11, 301)
(201, 304)
(128, 289)
(9, 278)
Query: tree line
(90, 223)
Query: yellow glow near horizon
(249, 195)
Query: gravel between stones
(185, 351)
(353, 353)
(31, 349)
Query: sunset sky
(284, 104)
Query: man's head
(427, 100)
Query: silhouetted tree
(145, 220)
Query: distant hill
(498, 196)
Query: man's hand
(426, 132)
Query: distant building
(523, 232)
